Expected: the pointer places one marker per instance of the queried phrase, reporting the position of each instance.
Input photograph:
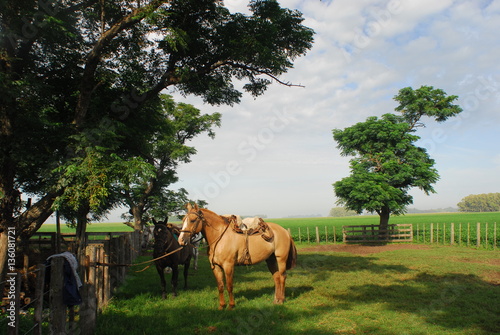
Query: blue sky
(275, 155)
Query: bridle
(163, 240)
(200, 218)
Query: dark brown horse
(228, 248)
(165, 242)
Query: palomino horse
(228, 248)
(166, 243)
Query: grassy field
(427, 290)
(324, 221)
(328, 225)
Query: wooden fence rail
(102, 270)
(373, 233)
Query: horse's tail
(291, 261)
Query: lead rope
(217, 242)
(150, 261)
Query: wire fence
(478, 235)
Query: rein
(203, 220)
(96, 264)
(218, 239)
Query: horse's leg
(162, 280)
(229, 271)
(195, 256)
(277, 267)
(186, 272)
(219, 277)
(175, 278)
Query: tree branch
(94, 57)
(251, 69)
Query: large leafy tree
(387, 163)
(73, 72)
(162, 148)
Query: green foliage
(163, 147)
(387, 162)
(80, 88)
(387, 165)
(489, 202)
(425, 101)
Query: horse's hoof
(278, 302)
(231, 307)
(222, 307)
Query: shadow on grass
(269, 319)
(453, 301)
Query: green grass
(434, 290)
(323, 221)
(374, 219)
(419, 221)
(93, 227)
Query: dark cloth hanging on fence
(72, 283)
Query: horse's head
(191, 224)
(163, 236)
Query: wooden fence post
(317, 235)
(452, 233)
(326, 234)
(88, 308)
(486, 234)
(432, 232)
(57, 307)
(300, 239)
(40, 284)
(334, 235)
(459, 234)
(468, 233)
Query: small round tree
(387, 163)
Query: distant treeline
(438, 210)
(487, 202)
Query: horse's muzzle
(183, 239)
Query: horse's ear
(154, 222)
(196, 208)
(188, 206)
(166, 220)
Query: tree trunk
(81, 229)
(137, 213)
(3, 254)
(32, 219)
(384, 215)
